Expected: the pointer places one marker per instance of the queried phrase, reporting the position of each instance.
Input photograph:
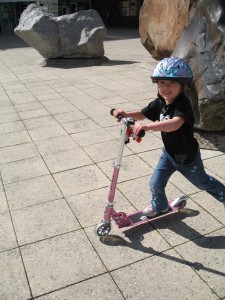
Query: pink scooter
(136, 218)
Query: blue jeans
(194, 172)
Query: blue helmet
(174, 69)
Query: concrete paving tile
(14, 138)
(46, 121)
(43, 221)
(107, 121)
(65, 88)
(91, 137)
(7, 235)
(60, 261)
(31, 191)
(9, 118)
(82, 101)
(57, 109)
(21, 98)
(206, 257)
(84, 179)
(216, 165)
(44, 133)
(134, 167)
(78, 126)
(28, 106)
(130, 106)
(17, 152)
(57, 83)
(41, 90)
(136, 191)
(99, 93)
(114, 100)
(69, 93)
(5, 101)
(70, 116)
(101, 287)
(210, 204)
(187, 225)
(50, 96)
(151, 157)
(69, 159)
(99, 110)
(126, 246)
(166, 276)
(23, 169)
(3, 203)
(11, 127)
(183, 184)
(7, 110)
(141, 98)
(56, 144)
(105, 151)
(15, 88)
(2, 91)
(34, 113)
(205, 153)
(13, 281)
(89, 207)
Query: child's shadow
(135, 236)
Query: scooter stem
(122, 142)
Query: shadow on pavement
(69, 63)
(136, 236)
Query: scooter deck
(138, 218)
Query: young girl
(172, 114)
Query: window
(129, 8)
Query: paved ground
(57, 144)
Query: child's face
(169, 90)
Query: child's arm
(136, 115)
(165, 125)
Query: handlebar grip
(119, 117)
(111, 111)
(141, 134)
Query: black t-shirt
(179, 144)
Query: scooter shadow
(135, 236)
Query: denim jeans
(194, 172)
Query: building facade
(112, 12)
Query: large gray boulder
(78, 35)
(202, 45)
(196, 29)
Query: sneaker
(149, 212)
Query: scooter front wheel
(102, 229)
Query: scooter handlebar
(119, 117)
(141, 134)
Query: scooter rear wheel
(181, 204)
(102, 229)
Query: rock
(161, 24)
(202, 46)
(78, 35)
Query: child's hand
(138, 127)
(118, 111)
